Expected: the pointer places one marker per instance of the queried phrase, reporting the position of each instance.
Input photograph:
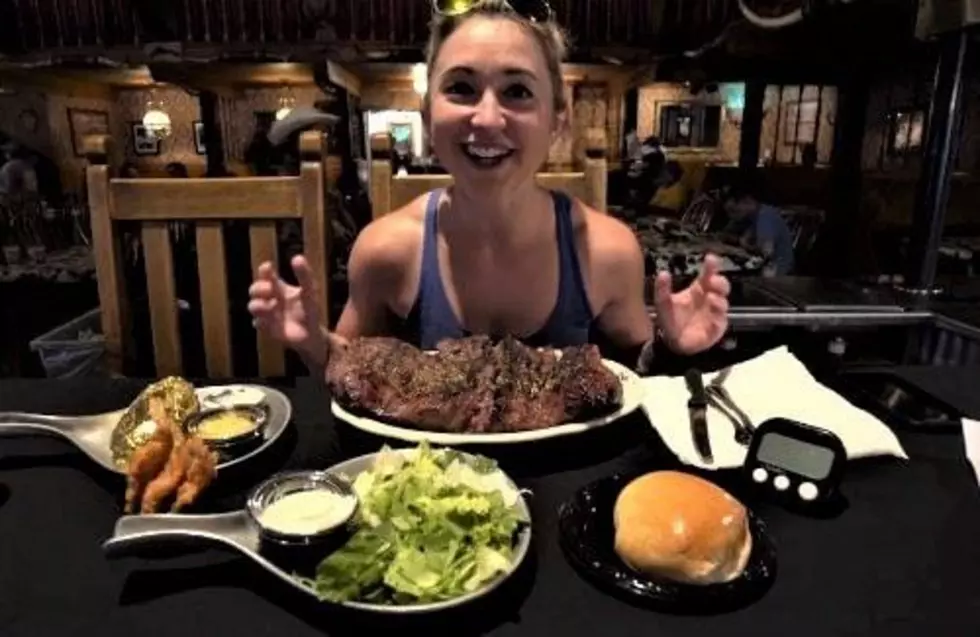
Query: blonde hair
(548, 35)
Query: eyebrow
(469, 70)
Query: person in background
(809, 156)
(444, 266)
(758, 226)
(177, 170)
(129, 171)
(17, 176)
(646, 167)
(669, 194)
(260, 155)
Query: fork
(724, 403)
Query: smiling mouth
(486, 156)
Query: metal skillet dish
(632, 394)
(587, 536)
(109, 438)
(239, 532)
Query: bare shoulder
(609, 253)
(609, 241)
(392, 241)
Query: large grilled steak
(473, 384)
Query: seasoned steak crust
(473, 384)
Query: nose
(488, 113)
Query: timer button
(760, 475)
(781, 482)
(808, 491)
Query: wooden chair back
(154, 203)
(390, 192)
(700, 213)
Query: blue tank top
(570, 320)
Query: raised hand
(288, 313)
(696, 318)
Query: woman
(495, 253)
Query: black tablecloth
(901, 560)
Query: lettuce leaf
(432, 525)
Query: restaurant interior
(151, 162)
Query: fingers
(304, 275)
(712, 281)
(264, 294)
(718, 284)
(710, 267)
(263, 289)
(267, 284)
(663, 289)
(262, 307)
(718, 305)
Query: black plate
(587, 535)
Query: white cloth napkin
(971, 439)
(774, 384)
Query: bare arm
(619, 274)
(376, 274)
(379, 265)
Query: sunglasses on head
(534, 10)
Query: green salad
(433, 524)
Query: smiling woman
(445, 265)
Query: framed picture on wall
(199, 145)
(690, 124)
(144, 144)
(82, 122)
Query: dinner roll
(677, 526)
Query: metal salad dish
(244, 531)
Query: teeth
(487, 152)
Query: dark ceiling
(624, 31)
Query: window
(798, 124)
(690, 124)
(801, 122)
(905, 128)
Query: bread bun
(677, 526)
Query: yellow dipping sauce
(225, 424)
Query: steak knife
(697, 408)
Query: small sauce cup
(230, 431)
(301, 552)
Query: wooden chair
(207, 202)
(391, 192)
(700, 212)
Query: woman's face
(491, 112)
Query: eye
(459, 88)
(518, 92)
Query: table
(900, 561)
(668, 245)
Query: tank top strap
(573, 301)
(430, 283)
(436, 317)
(430, 233)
